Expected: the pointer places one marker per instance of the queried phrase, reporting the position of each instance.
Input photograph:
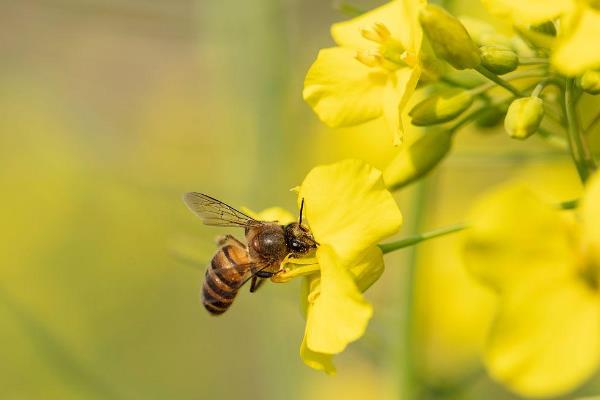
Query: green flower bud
(417, 159)
(449, 38)
(491, 116)
(499, 60)
(441, 108)
(590, 82)
(524, 117)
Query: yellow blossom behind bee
(543, 263)
(575, 49)
(373, 71)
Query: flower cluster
(416, 65)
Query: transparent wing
(216, 213)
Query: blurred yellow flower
(545, 266)
(373, 71)
(349, 211)
(576, 48)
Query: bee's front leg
(256, 283)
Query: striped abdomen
(228, 270)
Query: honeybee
(235, 263)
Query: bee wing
(216, 213)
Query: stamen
(296, 269)
(378, 33)
(369, 58)
(382, 30)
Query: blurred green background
(110, 110)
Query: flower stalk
(577, 143)
(421, 237)
(495, 78)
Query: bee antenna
(301, 208)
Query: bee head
(298, 239)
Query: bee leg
(256, 283)
(264, 274)
(228, 239)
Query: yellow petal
(517, 239)
(590, 209)
(367, 268)
(529, 11)
(546, 339)
(342, 90)
(339, 315)
(399, 16)
(579, 49)
(318, 361)
(348, 207)
(400, 88)
(278, 214)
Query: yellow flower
(576, 48)
(348, 210)
(373, 71)
(545, 266)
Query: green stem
(495, 78)
(579, 152)
(539, 88)
(593, 123)
(405, 351)
(416, 239)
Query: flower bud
(491, 116)
(498, 59)
(441, 108)
(590, 82)
(417, 159)
(449, 38)
(524, 117)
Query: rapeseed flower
(576, 47)
(544, 264)
(372, 72)
(349, 210)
